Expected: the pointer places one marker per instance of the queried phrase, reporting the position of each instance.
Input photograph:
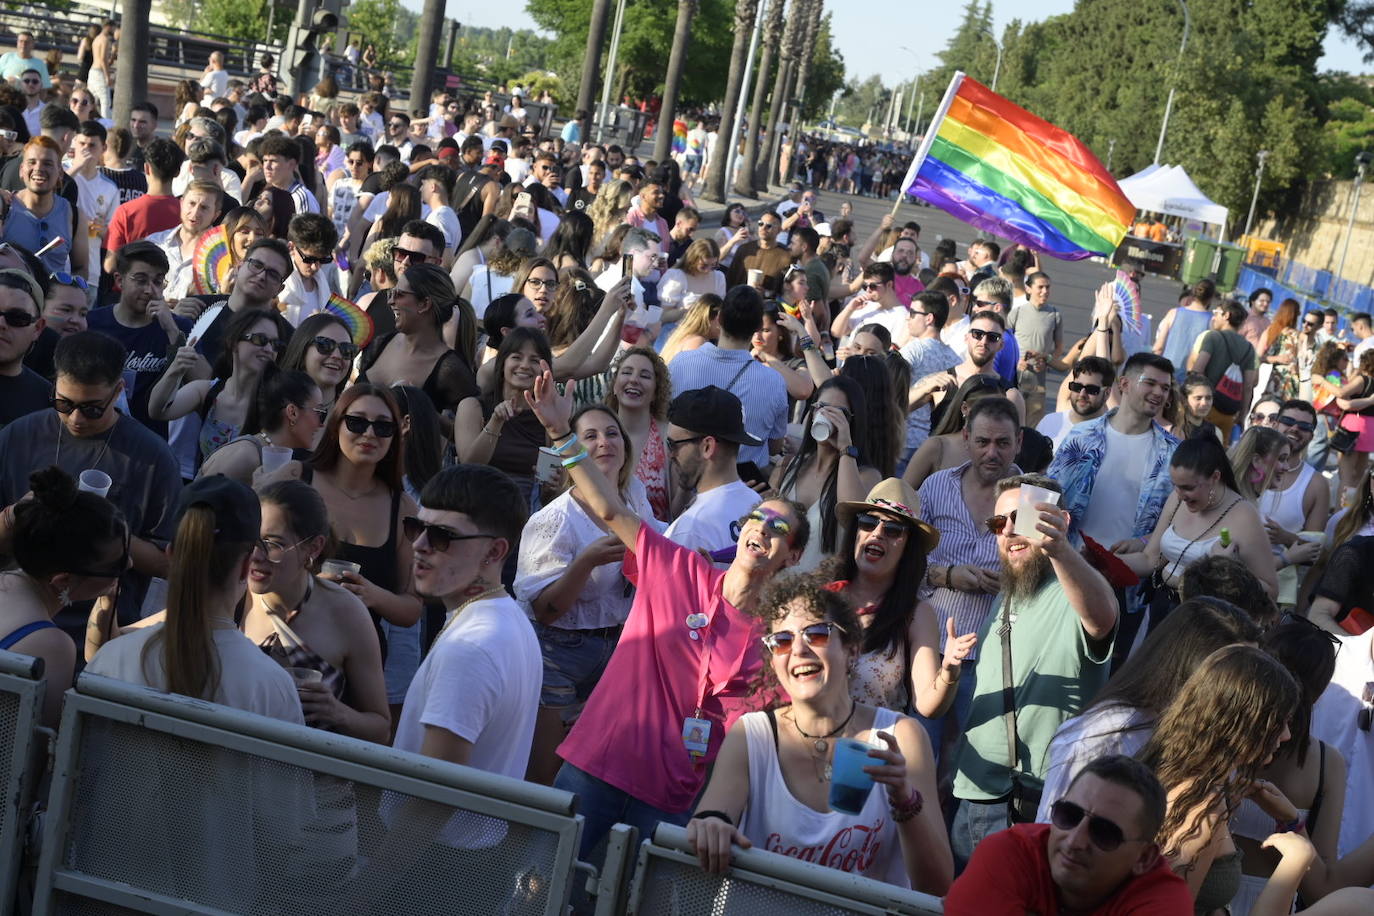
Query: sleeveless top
(879, 678)
(449, 381)
(1179, 553)
(1220, 884)
(290, 651)
(215, 433)
(1285, 506)
(378, 564)
(517, 448)
(1187, 327)
(652, 471)
(17, 635)
(865, 844)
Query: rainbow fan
(359, 322)
(211, 262)
(679, 137)
(1127, 296)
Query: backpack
(1231, 385)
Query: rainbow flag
(1000, 168)
(679, 137)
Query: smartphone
(660, 261)
(749, 472)
(627, 265)
(523, 201)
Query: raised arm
(170, 399)
(594, 348)
(1090, 596)
(554, 410)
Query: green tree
(377, 21)
(245, 19)
(826, 76)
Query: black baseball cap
(711, 411)
(238, 514)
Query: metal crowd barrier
(165, 804)
(669, 882)
(22, 689)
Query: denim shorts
(574, 661)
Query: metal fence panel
(165, 804)
(669, 882)
(21, 697)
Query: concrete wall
(1315, 234)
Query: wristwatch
(852, 452)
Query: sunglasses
(66, 279)
(326, 347)
(1105, 835)
(980, 334)
(867, 521)
(1258, 417)
(771, 521)
(772, 227)
(1298, 619)
(872, 286)
(1302, 425)
(384, 429)
(996, 523)
(18, 318)
(1092, 390)
(91, 410)
(312, 259)
(259, 339)
(405, 254)
(675, 444)
(439, 537)
(817, 636)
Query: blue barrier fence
(1314, 290)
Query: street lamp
(604, 112)
(997, 70)
(1362, 160)
(1169, 104)
(1254, 198)
(915, 83)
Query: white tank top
(866, 844)
(1285, 506)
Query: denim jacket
(1078, 458)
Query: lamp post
(997, 70)
(915, 84)
(1254, 198)
(1169, 104)
(605, 108)
(1362, 160)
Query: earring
(64, 597)
(1212, 498)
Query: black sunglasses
(384, 429)
(91, 410)
(405, 254)
(867, 521)
(1298, 424)
(979, 334)
(326, 346)
(1305, 623)
(18, 318)
(259, 339)
(311, 259)
(439, 537)
(1105, 835)
(1092, 390)
(675, 444)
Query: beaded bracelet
(566, 446)
(576, 459)
(906, 810)
(806, 342)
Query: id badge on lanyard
(696, 730)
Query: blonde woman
(1256, 460)
(701, 326)
(609, 209)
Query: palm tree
(808, 44)
(772, 34)
(591, 65)
(131, 69)
(746, 11)
(782, 88)
(673, 81)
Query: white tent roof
(1168, 189)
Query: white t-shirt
(712, 520)
(518, 169)
(1056, 426)
(1334, 720)
(894, 319)
(953, 336)
(447, 222)
(248, 679)
(216, 84)
(97, 199)
(1116, 493)
(480, 681)
(299, 303)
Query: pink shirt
(630, 732)
(906, 288)
(657, 225)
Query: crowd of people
(577, 465)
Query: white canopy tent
(1168, 189)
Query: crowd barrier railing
(669, 882)
(166, 804)
(22, 690)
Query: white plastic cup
(755, 278)
(1027, 515)
(335, 569)
(93, 481)
(822, 429)
(305, 675)
(274, 456)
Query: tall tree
(746, 11)
(772, 34)
(663, 139)
(427, 49)
(131, 69)
(782, 89)
(825, 76)
(591, 64)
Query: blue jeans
(603, 806)
(973, 823)
(574, 661)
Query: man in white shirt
(1363, 328)
(518, 160)
(280, 157)
(215, 79)
(436, 187)
(96, 195)
(1091, 380)
(199, 207)
(705, 432)
(312, 239)
(875, 303)
(927, 355)
(31, 83)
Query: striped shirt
(962, 542)
(761, 391)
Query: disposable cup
(93, 481)
(849, 784)
(1027, 516)
(755, 277)
(335, 569)
(274, 456)
(305, 675)
(821, 429)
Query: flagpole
(928, 139)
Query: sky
(895, 54)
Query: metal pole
(1169, 104)
(731, 152)
(920, 110)
(1254, 198)
(610, 70)
(1111, 148)
(997, 69)
(1350, 226)
(910, 104)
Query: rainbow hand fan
(359, 322)
(1127, 296)
(211, 262)
(679, 137)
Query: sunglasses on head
(1299, 620)
(18, 318)
(65, 279)
(772, 522)
(1302, 425)
(357, 425)
(980, 334)
(114, 571)
(259, 339)
(439, 536)
(1092, 390)
(1258, 417)
(91, 410)
(327, 346)
(1105, 835)
(816, 635)
(867, 521)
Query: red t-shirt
(140, 218)
(1009, 875)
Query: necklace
(819, 742)
(480, 596)
(355, 496)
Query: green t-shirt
(1056, 671)
(1224, 348)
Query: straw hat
(896, 498)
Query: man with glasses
(984, 338)
(1039, 329)
(704, 436)
(22, 390)
(1299, 500)
(1045, 650)
(311, 239)
(85, 431)
(22, 60)
(1090, 383)
(995, 294)
(31, 84)
(928, 356)
(256, 283)
(1098, 854)
(345, 183)
(97, 196)
(875, 303)
(764, 255)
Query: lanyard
(704, 668)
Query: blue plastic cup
(849, 784)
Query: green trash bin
(1198, 254)
(1228, 271)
